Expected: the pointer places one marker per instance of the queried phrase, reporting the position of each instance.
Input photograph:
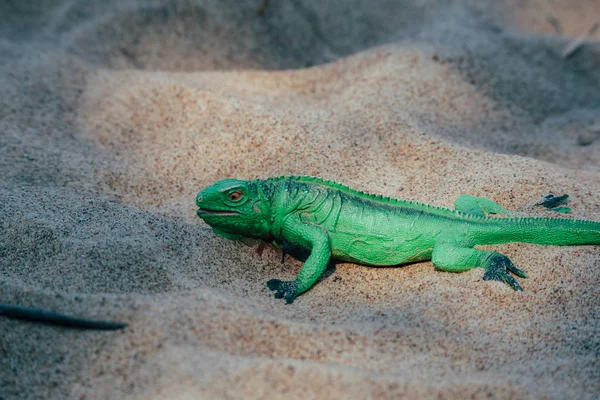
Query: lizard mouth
(204, 211)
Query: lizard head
(235, 209)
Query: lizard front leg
(310, 237)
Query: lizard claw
(497, 270)
(284, 289)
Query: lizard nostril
(198, 199)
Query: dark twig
(54, 318)
(576, 44)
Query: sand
(114, 114)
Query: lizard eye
(235, 196)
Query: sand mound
(114, 114)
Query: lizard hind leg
(452, 257)
(479, 206)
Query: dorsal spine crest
(377, 198)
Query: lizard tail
(548, 231)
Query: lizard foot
(549, 202)
(284, 289)
(552, 202)
(497, 270)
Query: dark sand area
(114, 114)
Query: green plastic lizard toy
(331, 220)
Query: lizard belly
(373, 234)
(376, 250)
(380, 237)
